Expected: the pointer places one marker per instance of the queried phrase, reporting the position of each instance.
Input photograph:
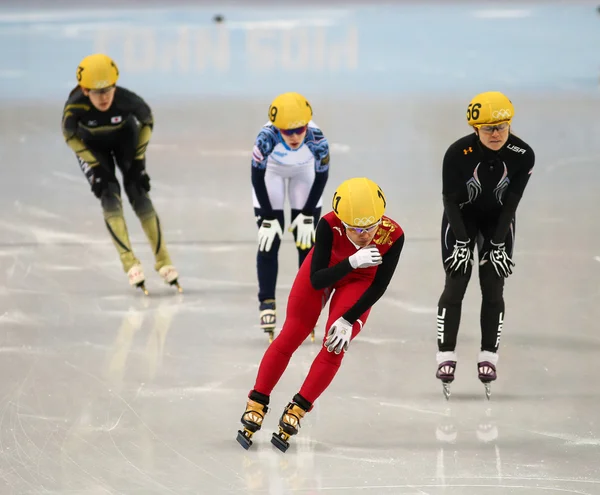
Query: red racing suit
(327, 271)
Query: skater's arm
(143, 114)
(384, 274)
(70, 123)
(451, 187)
(263, 147)
(321, 274)
(320, 149)
(514, 193)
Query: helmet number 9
(473, 111)
(272, 113)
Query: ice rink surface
(105, 391)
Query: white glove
(366, 257)
(460, 259)
(305, 235)
(338, 337)
(267, 232)
(500, 260)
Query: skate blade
(279, 440)
(446, 390)
(488, 390)
(142, 286)
(271, 333)
(243, 438)
(312, 336)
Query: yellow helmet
(290, 111)
(359, 202)
(97, 71)
(492, 107)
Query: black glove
(500, 260)
(97, 180)
(139, 174)
(460, 259)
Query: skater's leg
(303, 311)
(450, 302)
(326, 364)
(112, 208)
(267, 268)
(492, 307)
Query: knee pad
(454, 289)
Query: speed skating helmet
(290, 111)
(97, 71)
(490, 108)
(359, 202)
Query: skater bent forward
(355, 255)
(484, 176)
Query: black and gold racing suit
(118, 137)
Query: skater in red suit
(355, 255)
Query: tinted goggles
(291, 132)
(363, 230)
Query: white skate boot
(136, 278)
(169, 275)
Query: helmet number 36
(473, 111)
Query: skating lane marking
(570, 439)
(401, 406)
(225, 153)
(411, 308)
(453, 485)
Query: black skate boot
(252, 420)
(445, 372)
(289, 423)
(268, 318)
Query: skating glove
(97, 181)
(500, 260)
(143, 180)
(305, 233)
(139, 175)
(338, 337)
(366, 257)
(460, 259)
(269, 229)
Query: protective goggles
(489, 129)
(291, 132)
(362, 230)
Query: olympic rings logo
(360, 222)
(503, 113)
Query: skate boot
(289, 423)
(446, 368)
(486, 367)
(252, 420)
(169, 275)
(136, 278)
(268, 318)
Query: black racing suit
(481, 191)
